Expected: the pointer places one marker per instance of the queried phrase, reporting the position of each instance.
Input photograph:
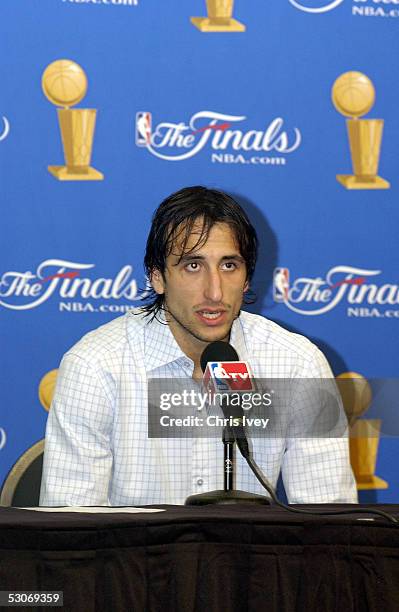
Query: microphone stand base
(226, 497)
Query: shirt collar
(237, 339)
(160, 346)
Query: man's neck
(191, 346)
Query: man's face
(204, 290)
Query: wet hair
(173, 222)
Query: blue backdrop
(247, 112)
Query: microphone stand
(228, 459)
(228, 495)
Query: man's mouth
(211, 316)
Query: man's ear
(157, 282)
(246, 286)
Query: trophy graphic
(353, 95)
(47, 388)
(364, 434)
(64, 83)
(219, 18)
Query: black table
(214, 559)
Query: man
(200, 258)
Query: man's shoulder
(264, 332)
(109, 339)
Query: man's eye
(229, 265)
(193, 266)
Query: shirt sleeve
(77, 456)
(316, 465)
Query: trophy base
(204, 24)
(370, 482)
(351, 181)
(63, 173)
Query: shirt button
(200, 481)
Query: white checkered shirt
(97, 449)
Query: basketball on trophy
(356, 394)
(353, 94)
(46, 388)
(64, 83)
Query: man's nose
(213, 286)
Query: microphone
(225, 374)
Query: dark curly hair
(175, 218)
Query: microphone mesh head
(218, 351)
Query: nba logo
(143, 129)
(281, 284)
(219, 374)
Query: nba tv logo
(281, 284)
(231, 375)
(143, 129)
